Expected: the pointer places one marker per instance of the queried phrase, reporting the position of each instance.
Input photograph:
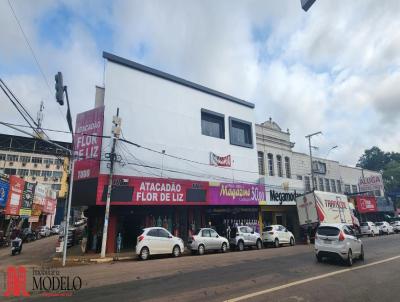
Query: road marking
(273, 289)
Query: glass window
(328, 231)
(35, 172)
(377, 193)
(354, 188)
(321, 184)
(299, 177)
(213, 233)
(327, 185)
(48, 161)
(212, 124)
(12, 157)
(347, 189)
(240, 133)
(339, 186)
(270, 164)
(307, 183)
(36, 160)
(47, 173)
(279, 164)
(163, 233)
(3, 156)
(23, 172)
(249, 229)
(59, 161)
(261, 169)
(287, 167)
(205, 233)
(333, 185)
(57, 174)
(9, 171)
(25, 159)
(243, 229)
(153, 233)
(315, 183)
(56, 187)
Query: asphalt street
(283, 274)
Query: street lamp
(311, 161)
(327, 153)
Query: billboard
(27, 199)
(50, 202)
(370, 183)
(366, 204)
(4, 187)
(15, 195)
(130, 190)
(87, 143)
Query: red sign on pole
(87, 143)
(15, 195)
(366, 204)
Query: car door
(285, 234)
(252, 236)
(214, 238)
(245, 234)
(206, 238)
(166, 241)
(355, 243)
(153, 241)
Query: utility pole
(311, 160)
(116, 130)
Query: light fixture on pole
(327, 153)
(311, 161)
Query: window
(243, 229)
(23, 172)
(328, 231)
(35, 172)
(347, 189)
(59, 161)
(9, 171)
(261, 169)
(327, 186)
(307, 183)
(279, 163)
(57, 174)
(25, 159)
(321, 184)
(377, 193)
(299, 177)
(315, 183)
(270, 164)
(240, 133)
(47, 173)
(153, 233)
(205, 233)
(12, 157)
(287, 167)
(214, 234)
(48, 161)
(354, 188)
(339, 186)
(333, 185)
(163, 233)
(36, 160)
(2, 156)
(56, 187)
(212, 124)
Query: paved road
(256, 275)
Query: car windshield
(266, 229)
(364, 224)
(328, 231)
(378, 223)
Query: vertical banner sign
(39, 200)
(50, 202)
(27, 199)
(4, 187)
(15, 195)
(87, 143)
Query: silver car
(242, 236)
(207, 239)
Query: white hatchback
(155, 241)
(369, 228)
(338, 241)
(277, 235)
(385, 227)
(396, 226)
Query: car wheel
(349, 260)
(241, 245)
(201, 249)
(259, 244)
(319, 258)
(176, 251)
(224, 247)
(276, 243)
(362, 253)
(372, 234)
(291, 241)
(144, 253)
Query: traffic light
(59, 88)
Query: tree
(375, 159)
(391, 176)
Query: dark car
(28, 235)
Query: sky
(335, 68)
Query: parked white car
(338, 241)
(385, 227)
(242, 236)
(207, 239)
(155, 241)
(396, 226)
(369, 228)
(277, 235)
(43, 231)
(55, 229)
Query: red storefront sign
(15, 195)
(87, 143)
(152, 191)
(366, 204)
